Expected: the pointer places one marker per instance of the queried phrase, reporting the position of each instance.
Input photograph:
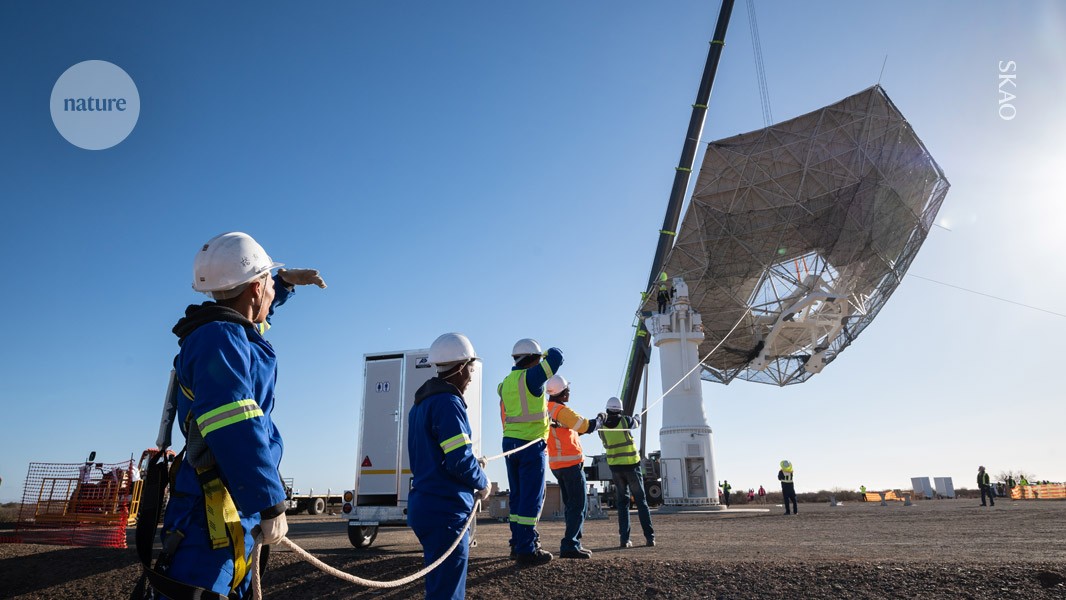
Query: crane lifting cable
(760, 70)
(808, 226)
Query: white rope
(698, 364)
(257, 591)
(510, 452)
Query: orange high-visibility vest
(564, 450)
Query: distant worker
(446, 478)
(751, 495)
(524, 411)
(624, 462)
(762, 494)
(984, 482)
(1010, 483)
(663, 297)
(788, 487)
(567, 462)
(1024, 481)
(725, 491)
(228, 487)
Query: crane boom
(640, 352)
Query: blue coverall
(445, 473)
(526, 469)
(227, 373)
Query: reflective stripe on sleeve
(455, 442)
(231, 413)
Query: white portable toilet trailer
(687, 458)
(383, 474)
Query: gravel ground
(936, 549)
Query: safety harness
(223, 520)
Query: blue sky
(503, 170)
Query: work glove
(601, 417)
(636, 421)
(483, 494)
(482, 462)
(594, 424)
(273, 530)
(301, 277)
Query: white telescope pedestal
(687, 460)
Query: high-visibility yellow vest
(619, 445)
(525, 416)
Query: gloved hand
(636, 420)
(602, 417)
(274, 529)
(301, 277)
(482, 462)
(483, 495)
(594, 424)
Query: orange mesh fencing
(77, 504)
(1048, 491)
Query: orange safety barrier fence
(77, 504)
(1049, 491)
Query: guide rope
(257, 590)
(700, 363)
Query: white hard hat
(557, 385)
(449, 350)
(614, 403)
(229, 260)
(525, 346)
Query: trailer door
(417, 370)
(377, 482)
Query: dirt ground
(934, 549)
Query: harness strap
(153, 492)
(223, 521)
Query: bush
(9, 512)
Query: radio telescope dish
(808, 226)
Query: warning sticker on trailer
(423, 363)
(366, 461)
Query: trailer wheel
(361, 536)
(316, 506)
(655, 493)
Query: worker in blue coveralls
(446, 477)
(227, 488)
(524, 410)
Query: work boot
(514, 554)
(578, 553)
(626, 544)
(538, 557)
(651, 543)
